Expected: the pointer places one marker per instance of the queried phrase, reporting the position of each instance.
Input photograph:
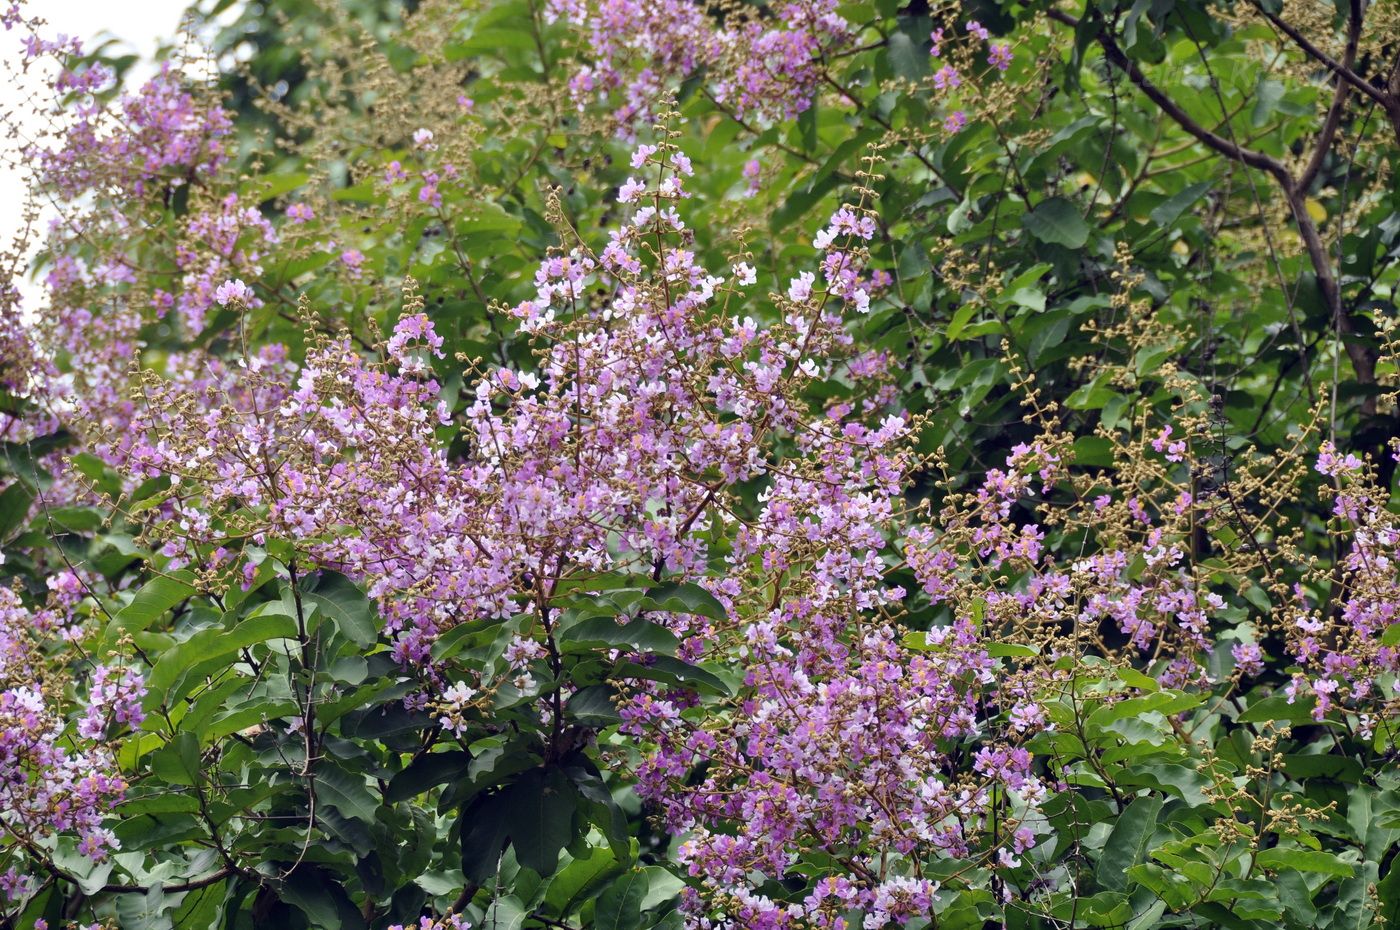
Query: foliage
(640, 464)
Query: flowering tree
(646, 464)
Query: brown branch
(192, 885)
(1341, 69)
(1339, 100)
(1363, 358)
(1219, 143)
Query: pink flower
(234, 291)
(353, 259)
(753, 171)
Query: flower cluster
(50, 782)
(218, 244)
(450, 922)
(640, 50)
(958, 56)
(155, 139)
(1343, 652)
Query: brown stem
(1339, 100)
(1341, 69)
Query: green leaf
(536, 814)
(1305, 860)
(484, 833)
(271, 186)
(685, 598)
(504, 913)
(317, 894)
(1388, 890)
(1296, 897)
(177, 763)
(167, 802)
(607, 632)
(1267, 95)
(1278, 707)
(593, 706)
(345, 791)
(1166, 703)
(1186, 783)
(542, 813)
(1127, 844)
(155, 597)
(906, 60)
(1167, 212)
(620, 907)
(1057, 221)
(579, 879)
(201, 907)
(1135, 679)
(341, 600)
(674, 671)
(1090, 396)
(662, 886)
(425, 773)
(208, 646)
(1010, 650)
(15, 502)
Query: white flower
(459, 694)
(745, 273)
(423, 139)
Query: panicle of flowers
(221, 244)
(52, 781)
(452, 708)
(449, 922)
(640, 50)
(957, 59)
(115, 694)
(154, 139)
(1345, 660)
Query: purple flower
(947, 78)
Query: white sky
(139, 25)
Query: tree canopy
(635, 464)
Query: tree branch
(1219, 143)
(1339, 99)
(192, 885)
(1363, 358)
(1341, 69)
